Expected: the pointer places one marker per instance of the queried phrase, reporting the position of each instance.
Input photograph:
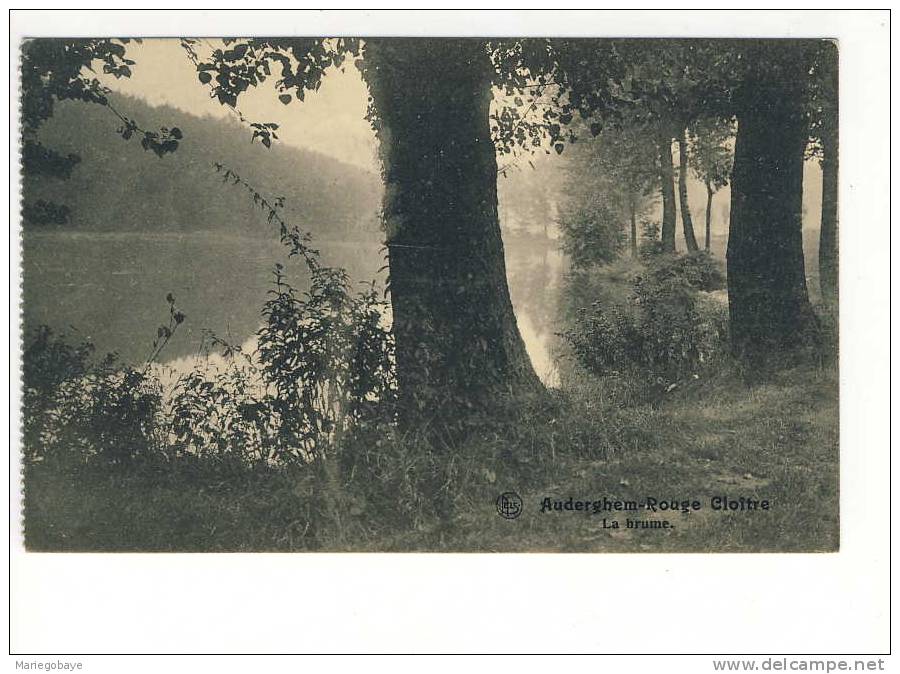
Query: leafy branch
(289, 235)
(164, 332)
(265, 131)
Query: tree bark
(768, 300)
(709, 199)
(667, 183)
(457, 343)
(634, 242)
(828, 235)
(687, 222)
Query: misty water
(110, 288)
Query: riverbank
(715, 438)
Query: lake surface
(110, 288)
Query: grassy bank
(775, 442)
(673, 421)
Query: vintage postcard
(343, 292)
(430, 294)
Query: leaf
(559, 148)
(204, 77)
(285, 98)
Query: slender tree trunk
(687, 222)
(709, 198)
(768, 299)
(828, 235)
(634, 241)
(457, 342)
(667, 178)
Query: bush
(323, 368)
(324, 365)
(666, 330)
(698, 270)
(77, 409)
(651, 245)
(592, 235)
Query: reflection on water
(213, 363)
(111, 288)
(534, 267)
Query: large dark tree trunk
(768, 299)
(828, 236)
(667, 178)
(457, 342)
(827, 65)
(634, 242)
(709, 198)
(687, 222)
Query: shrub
(324, 365)
(698, 270)
(323, 368)
(592, 235)
(74, 408)
(666, 330)
(651, 244)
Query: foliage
(38, 160)
(536, 110)
(609, 181)
(651, 245)
(77, 410)
(301, 62)
(323, 368)
(658, 84)
(667, 329)
(711, 155)
(592, 234)
(535, 107)
(42, 212)
(822, 97)
(56, 70)
(698, 270)
(700, 434)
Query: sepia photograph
(430, 294)
(550, 315)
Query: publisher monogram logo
(509, 505)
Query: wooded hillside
(182, 191)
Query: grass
(597, 437)
(777, 441)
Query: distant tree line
(117, 187)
